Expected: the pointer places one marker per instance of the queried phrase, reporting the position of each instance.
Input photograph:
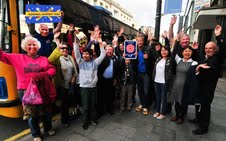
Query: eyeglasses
(64, 48)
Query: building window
(115, 13)
(101, 4)
(94, 2)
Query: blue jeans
(33, 122)
(143, 86)
(161, 97)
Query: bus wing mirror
(10, 28)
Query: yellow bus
(10, 105)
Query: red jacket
(46, 88)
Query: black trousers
(65, 104)
(204, 116)
(106, 95)
(181, 110)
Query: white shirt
(177, 59)
(160, 71)
(67, 70)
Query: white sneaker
(161, 117)
(156, 115)
(37, 139)
(139, 108)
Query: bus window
(4, 22)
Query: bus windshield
(4, 22)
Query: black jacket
(208, 77)
(191, 89)
(105, 63)
(122, 76)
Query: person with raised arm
(88, 79)
(208, 72)
(45, 37)
(31, 66)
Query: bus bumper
(11, 109)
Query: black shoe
(129, 109)
(51, 132)
(179, 121)
(95, 122)
(174, 119)
(200, 131)
(79, 113)
(111, 112)
(66, 124)
(122, 109)
(85, 126)
(195, 120)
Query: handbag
(32, 95)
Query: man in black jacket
(208, 72)
(107, 79)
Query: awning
(206, 18)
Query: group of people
(97, 71)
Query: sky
(144, 12)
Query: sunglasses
(65, 48)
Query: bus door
(10, 105)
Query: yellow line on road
(27, 131)
(23, 133)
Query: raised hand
(173, 20)
(115, 41)
(150, 36)
(218, 30)
(115, 38)
(96, 28)
(195, 45)
(146, 31)
(121, 31)
(164, 34)
(204, 66)
(102, 44)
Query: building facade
(116, 9)
(201, 18)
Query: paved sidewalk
(135, 126)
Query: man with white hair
(46, 37)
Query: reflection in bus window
(4, 34)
